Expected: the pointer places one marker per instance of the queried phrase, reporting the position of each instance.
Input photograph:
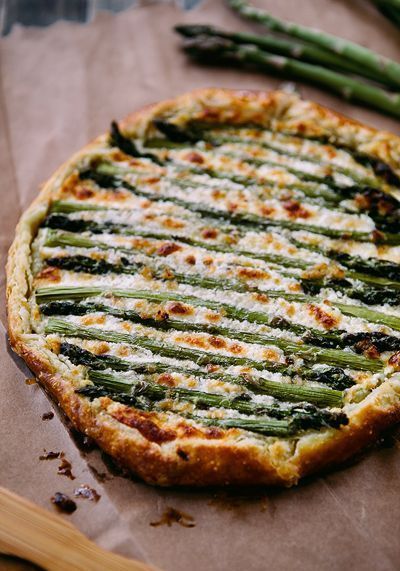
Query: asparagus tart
(211, 290)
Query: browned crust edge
(220, 461)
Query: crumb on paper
(48, 415)
(172, 515)
(51, 455)
(65, 469)
(63, 503)
(86, 492)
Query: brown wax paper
(60, 87)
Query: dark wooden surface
(46, 12)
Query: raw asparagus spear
(219, 50)
(286, 47)
(383, 68)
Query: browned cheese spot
(209, 233)
(152, 180)
(50, 274)
(270, 355)
(217, 342)
(179, 308)
(191, 260)
(394, 360)
(168, 248)
(252, 273)
(166, 379)
(236, 348)
(267, 210)
(261, 297)
(143, 423)
(213, 317)
(193, 340)
(101, 348)
(147, 273)
(323, 270)
(327, 320)
(162, 315)
(173, 224)
(194, 157)
(93, 319)
(295, 209)
(217, 194)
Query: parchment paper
(60, 87)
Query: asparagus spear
(298, 50)
(375, 201)
(81, 263)
(283, 391)
(382, 170)
(247, 219)
(367, 294)
(126, 145)
(307, 352)
(218, 50)
(163, 349)
(374, 268)
(383, 272)
(156, 392)
(327, 189)
(370, 315)
(340, 191)
(301, 420)
(333, 377)
(383, 68)
(58, 221)
(265, 426)
(47, 294)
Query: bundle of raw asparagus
(304, 53)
